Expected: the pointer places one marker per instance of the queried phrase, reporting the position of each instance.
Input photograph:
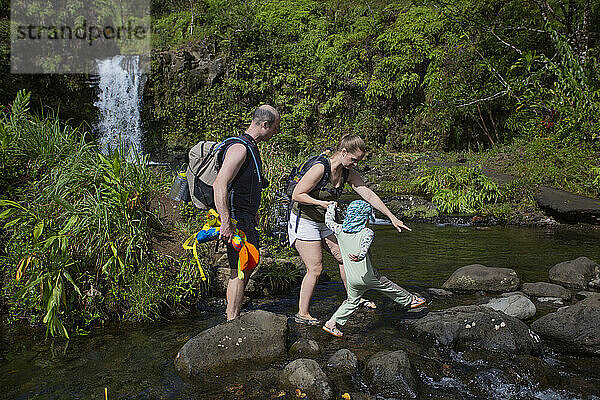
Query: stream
(137, 362)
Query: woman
(306, 227)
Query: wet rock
(360, 396)
(475, 328)
(472, 278)
(491, 383)
(516, 305)
(584, 294)
(567, 206)
(266, 379)
(256, 337)
(554, 300)
(591, 300)
(343, 361)
(341, 370)
(412, 208)
(439, 292)
(545, 289)
(305, 348)
(573, 329)
(508, 294)
(306, 375)
(390, 374)
(576, 274)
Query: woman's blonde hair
(352, 144)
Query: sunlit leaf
(37, 231)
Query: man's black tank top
(245, 189)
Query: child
(354, 239)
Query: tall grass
(78, 237)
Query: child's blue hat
(359, 212)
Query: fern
(458, 189)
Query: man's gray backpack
(203, 167)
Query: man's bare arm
(232, 162)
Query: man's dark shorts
(246, 224)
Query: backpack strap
(239, 139)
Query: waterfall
(120, 87)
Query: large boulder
(305, 348)
(576, 274)
(476, 277)
(306, 375)
(573, 329)
(390, 374)
(515, 305)
(567, 206)
(256, 337)
(476, 328)
(343, 361)
(545, 289)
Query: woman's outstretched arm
(370, 196)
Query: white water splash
(120, 87)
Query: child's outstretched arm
(365, 243)
(330, 219)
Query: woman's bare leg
(330, 244)
(310, 252)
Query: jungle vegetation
(514, 82)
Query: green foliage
(557, 97)
(421, 212)
(417, 76)
(78, 235)
(394, 187)
(552, 161)
(281, 277)
(276, 166)
(596, 179)
(458, 189)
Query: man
(237, 191)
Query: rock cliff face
(205, 67)
(179, 85)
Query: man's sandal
(333, 331)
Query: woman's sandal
(333, 331)
(417, 301)
(306, 321)
(367, 304)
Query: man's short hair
(263, 113)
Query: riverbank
(541, 182)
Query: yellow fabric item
(248, 253)
(193, 247)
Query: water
(120, 86)
(137, 362)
